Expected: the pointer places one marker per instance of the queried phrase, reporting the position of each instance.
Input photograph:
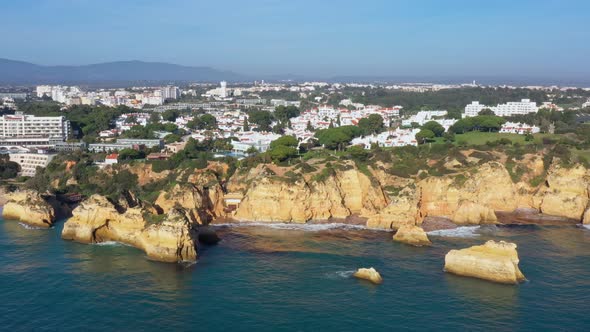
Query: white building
(221, 92)
(20, 125)
(519, 128)
(30, 161)
(391, 138)
(473, 109)
(425, 116)
(586, 104)
(170, 92)
(524, 106)
(43, 90)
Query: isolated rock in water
(493, 261)
(369, 274)
(29, 207)
(412, 235)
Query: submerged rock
(412, 235)
(97, 219)
(493, 261)
(369, 274)
(29, 207)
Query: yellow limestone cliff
(98, 220)
(493, 261)
(349, 192)
(200, 205)
(488, 189)
(29, 207)
(565, 193)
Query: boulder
(29, 207)
(412, 235)
(493, 261)
(369, 274)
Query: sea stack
(369, 274)
(29, 207)
(412, 235)
(493, 261)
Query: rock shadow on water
(498, 299)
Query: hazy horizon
(344, 38)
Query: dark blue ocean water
(265, 279)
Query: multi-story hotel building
(23, 126)
(30, 161)
(524, 106)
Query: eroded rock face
(493, 261)
(566, 192)
(346, 193)
(402, 210)
(369, 274)
(195, 201)
(172, 240)
(490, 187)
(29, 207)
(469, 213)
(412, 235)
(98, 220)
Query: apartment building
(30, 161)
(524, 106)
(20, 125)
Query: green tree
(372, 124)
(282, 153)
(263, 119)
(130, 154)
(284, 113)
(155, 117)
(284, 141)
(358, 153)
(171, 138)
(246, 125)
(170, 115)
(424, 136)
(435, 127)
(486, 111)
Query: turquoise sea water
(263, 279)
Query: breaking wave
(299, 227)
(110, 244)
(463, 231)
(29, 226)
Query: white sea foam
(464, 231)
(340, 274)
(299, 227)
(587, 226)
(109, 244)
(29, 226)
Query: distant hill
(20, 72)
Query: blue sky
(547, 38)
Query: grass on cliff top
(481, 138)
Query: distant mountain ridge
(20, 72)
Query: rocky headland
(28, 207)
(171, 239)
